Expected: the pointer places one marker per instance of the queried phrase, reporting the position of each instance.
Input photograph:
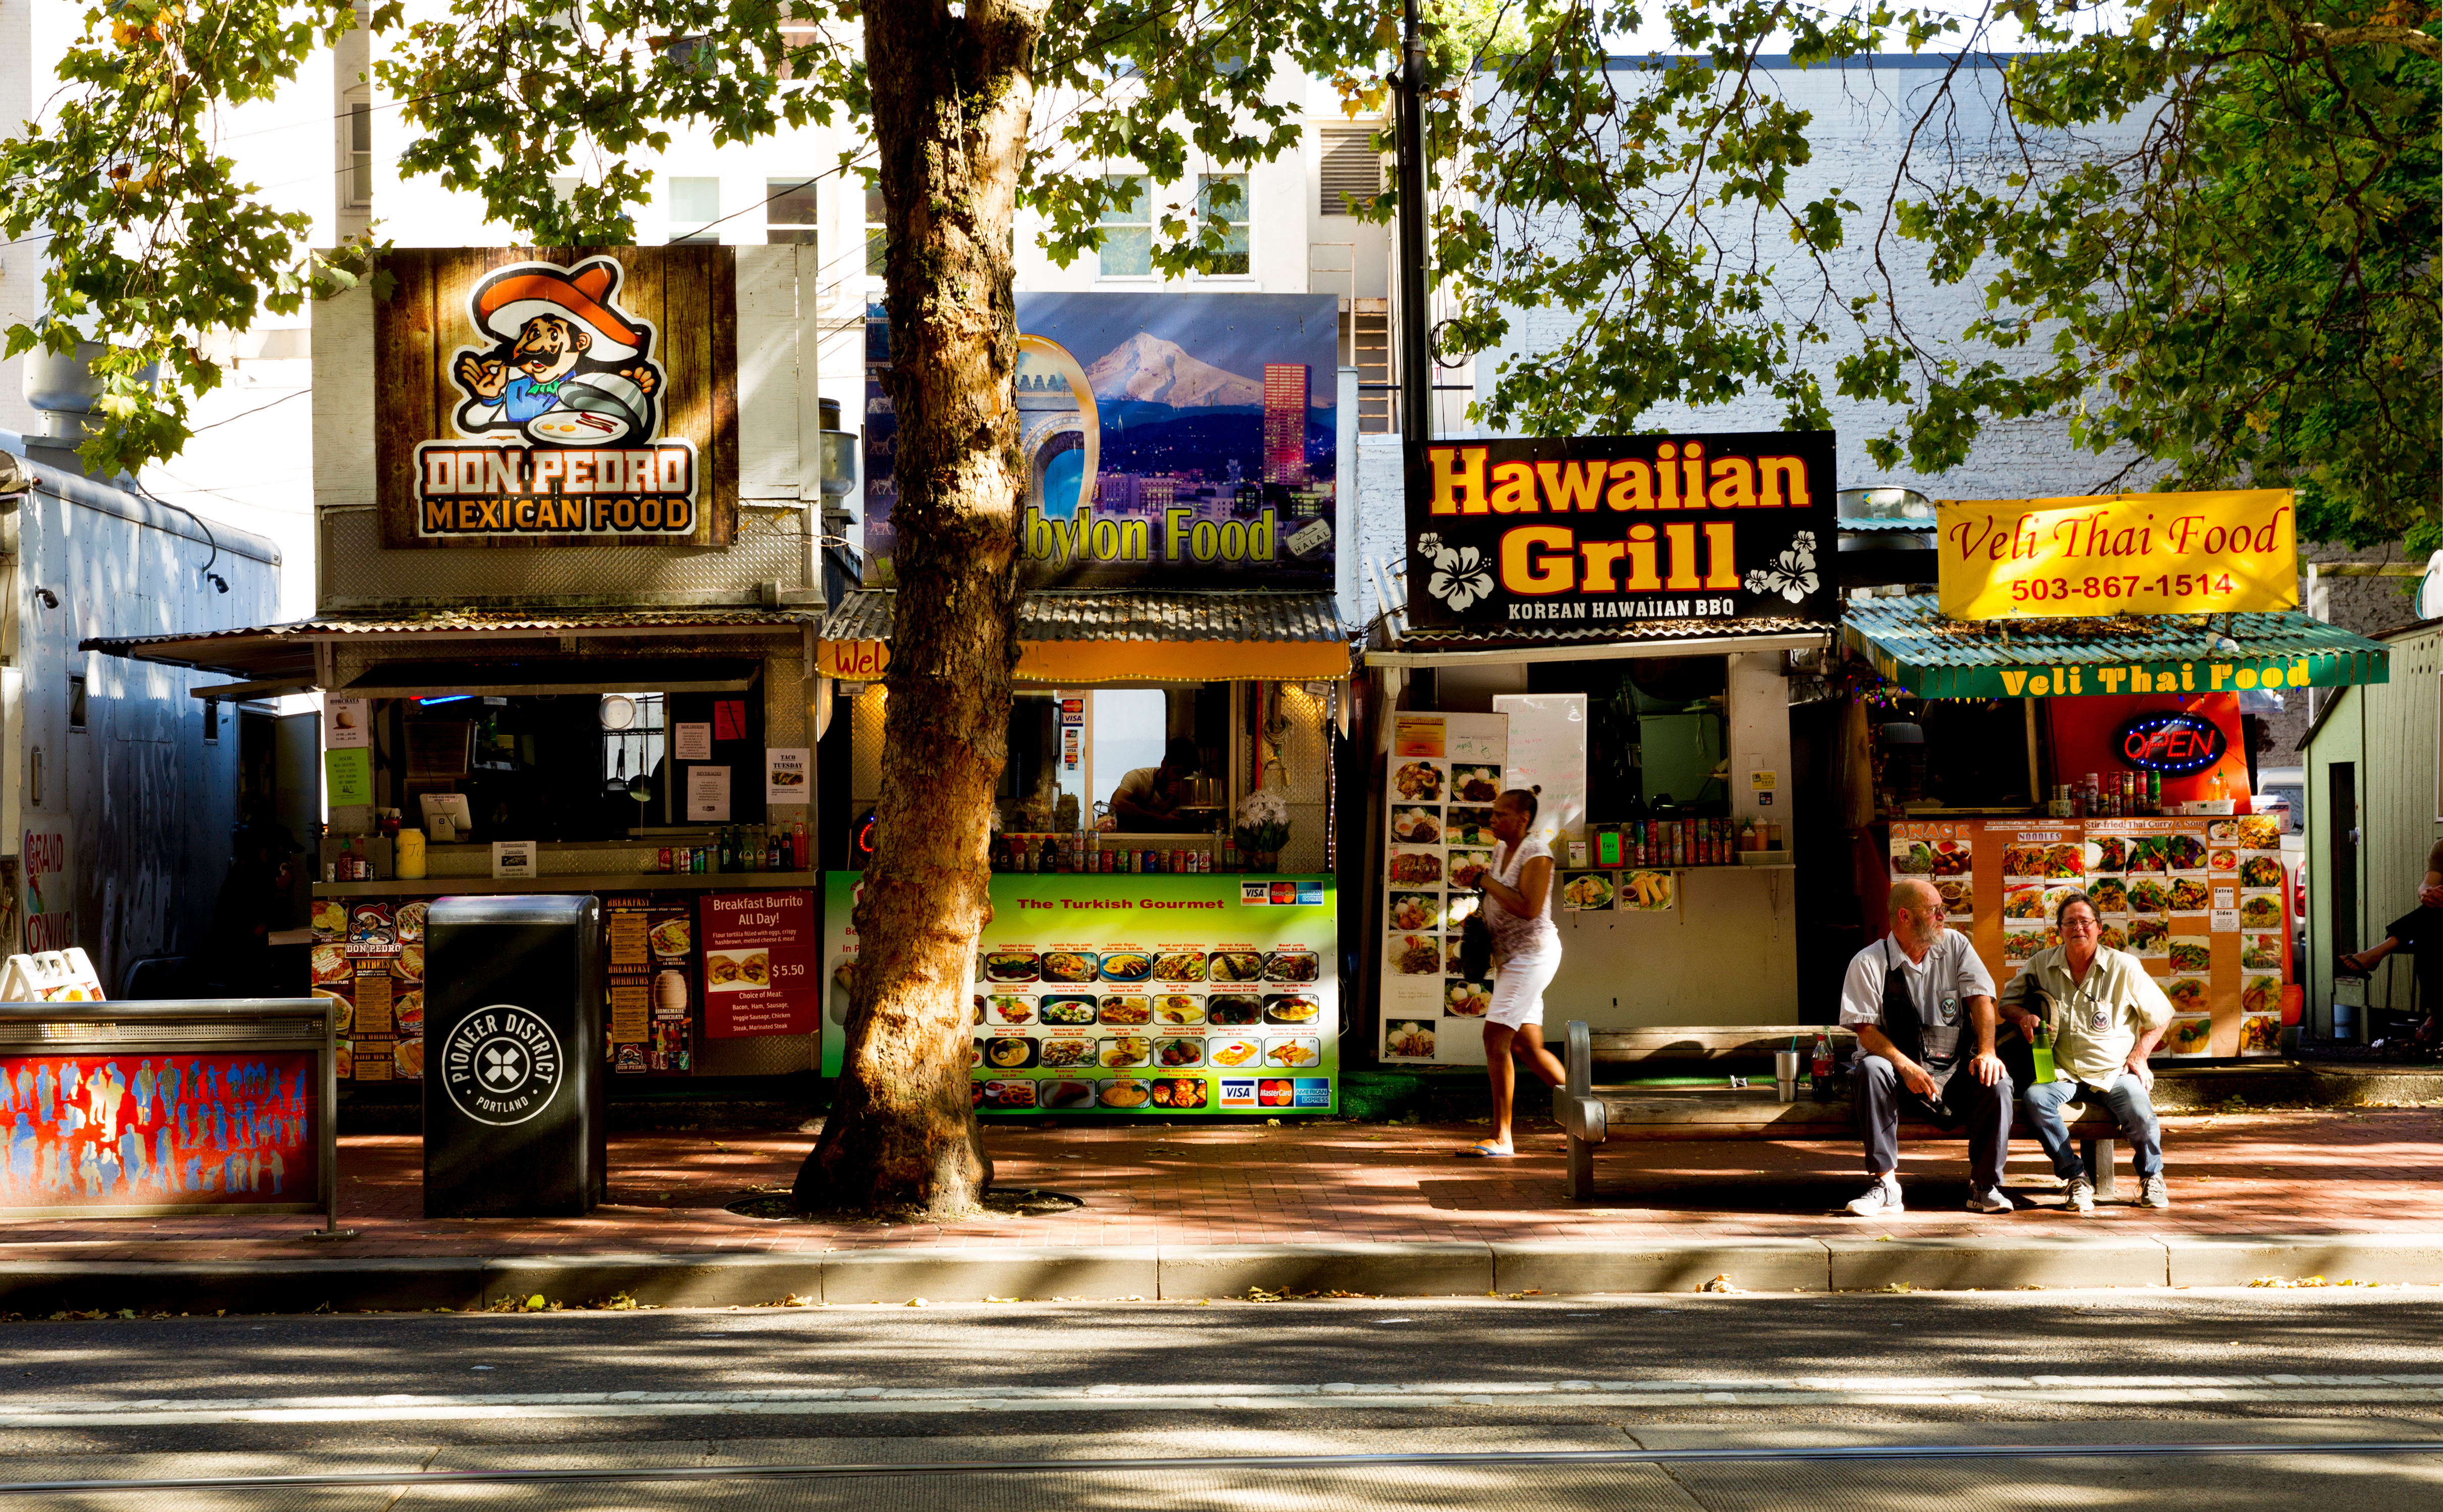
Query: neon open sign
(2171, 742)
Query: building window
(800, 27)
(1223, 197)
(875, 233)
(1351, 170)
(75, 703)
(695, 204)
(789, 211)
(360, 155)
(1128, 229)
(211, 721)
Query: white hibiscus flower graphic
(1459, 577)
(1791, 574)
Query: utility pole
(1416, 353)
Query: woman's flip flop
(1486, 1150)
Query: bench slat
(1746, 1041)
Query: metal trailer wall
(119, 830)
(2392, 733)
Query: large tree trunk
(952, 100)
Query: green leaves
(148, 236)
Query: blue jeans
(2130, 1107)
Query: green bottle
(2043, 1052)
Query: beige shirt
(2097, 1020)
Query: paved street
(1153, 1382)
(2372, 1169)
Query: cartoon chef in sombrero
(570, 368)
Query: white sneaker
(1992, 1199)
(1882, 1198)
(2082, 1194)
(2152, 1193)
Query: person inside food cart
(1907, 996)
(2105, 1016)
(1516, 899)
(1148, 800)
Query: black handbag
(1476, 942)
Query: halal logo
(500, 1065)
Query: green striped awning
(1911, 643)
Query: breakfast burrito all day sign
(2126, 553)
(548, 396)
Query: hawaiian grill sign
(1594, 530)
(542, 401)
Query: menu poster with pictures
(1134, 994)
(760, 964)
(650, 959)
(2199, 900)
(368, 954)
(1445, 771)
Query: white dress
(1529, 950)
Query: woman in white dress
(1516, 898)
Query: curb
(1187, 1272)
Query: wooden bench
(1592, 1115)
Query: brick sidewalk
(2371, 1171)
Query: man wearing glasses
(1908, 996)
(2106, 1015)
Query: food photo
(1476, 784)
(1409, 1039)
(1416, 954)
(1415, 910)
(1418, 781)
(1415, 826)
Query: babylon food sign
(2125, 554)
(520, 397)
(1594, 530)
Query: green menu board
(1126, 993)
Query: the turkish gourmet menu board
(1128, 994)
(2198, 899)
(1445, 771)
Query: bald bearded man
(1911, 997)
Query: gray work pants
(1986, 1111)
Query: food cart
(565, 633)
(2011, 753)
(1179, 636)
(1609, 619)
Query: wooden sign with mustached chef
(533, 397)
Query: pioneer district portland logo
(501, 1064)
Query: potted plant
(1263, 827)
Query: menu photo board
(1202, 994)
(2196, 899)
(368, 954)
(650, 984)
(760, 961)
(1445, 771)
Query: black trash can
(513, 1080)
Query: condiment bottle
(798, 846)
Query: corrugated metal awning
(1134, 635)
(285, 653)
(1603, 641)
(1910, 642)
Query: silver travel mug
(1785, 1074)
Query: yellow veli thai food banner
(2124, 554)
(2198, 899)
